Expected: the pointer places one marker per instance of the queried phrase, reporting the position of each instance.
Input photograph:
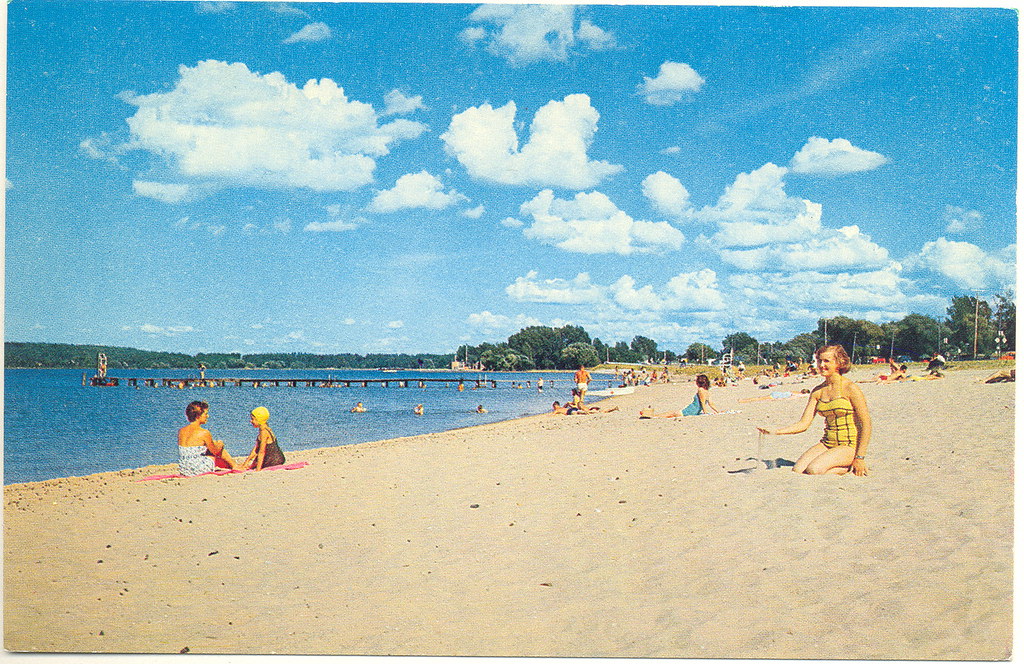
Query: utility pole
(976, 304)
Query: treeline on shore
(972, 329)
(31, 355)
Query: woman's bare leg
(835, 461)
(808, 456)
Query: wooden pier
(183, 383)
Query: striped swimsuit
(840, 428)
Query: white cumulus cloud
(828, 250)
(314, 32)
(527, 34)
(688, 291)
(666, 193)
(968, 265)
(164, 192)
(959, 220)
(397, 102)
(474, 213)
(675, 80)
(484, 140)
(555, 291)
(222, 123)
(415, 190)
(821, 156)
(591, 223)
(755, 210)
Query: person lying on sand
(896, 374)
(198, 452)
(266, 452)
(578, 409)
(847, 421)
(1003, 376)
(777, 395)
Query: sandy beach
(568, 536)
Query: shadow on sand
(751, 465)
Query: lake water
(56, 427)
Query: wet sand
(569, 536)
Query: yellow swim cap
(260, 414)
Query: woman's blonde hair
(840, 354)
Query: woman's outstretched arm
(802, 424)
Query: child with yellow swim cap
(266, 452)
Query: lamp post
(1000, 340)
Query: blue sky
(340, 177)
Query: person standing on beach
(198, 452)
(582, 380)
(847, 421)
(266, 452)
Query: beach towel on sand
(226, 471)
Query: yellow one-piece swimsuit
(840, 427)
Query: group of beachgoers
(839, 400)
(199, 453)
(634, 378)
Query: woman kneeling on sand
(847, 421)
(265, 453)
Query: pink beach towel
(226, 471)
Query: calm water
(55, 427)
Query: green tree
(543, 345)
(969, 321)
(1006, 320)
(918, 336)
(576, 354)
(623, 353)
(698, 352)
(742, 345)
(644, 348)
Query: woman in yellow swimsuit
(847, 421)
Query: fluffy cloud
(167, 331)
(688, 291)
(339, 222)
(474, 213)
(333, 226)
(693, 291)
(166, 193)
(488, 322)
(590, 223)
(484, 140)
(526, 34)
(223, 123)
(959, 220)
(555, 291)
(595, 37)
(314, 32)
(674, 81)
(821, 156)
(879, 293)
(666, 193)
(215, 7)
(397, 103)
(967, 265)
(415, 190)
(827, 250)
(755, 210)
